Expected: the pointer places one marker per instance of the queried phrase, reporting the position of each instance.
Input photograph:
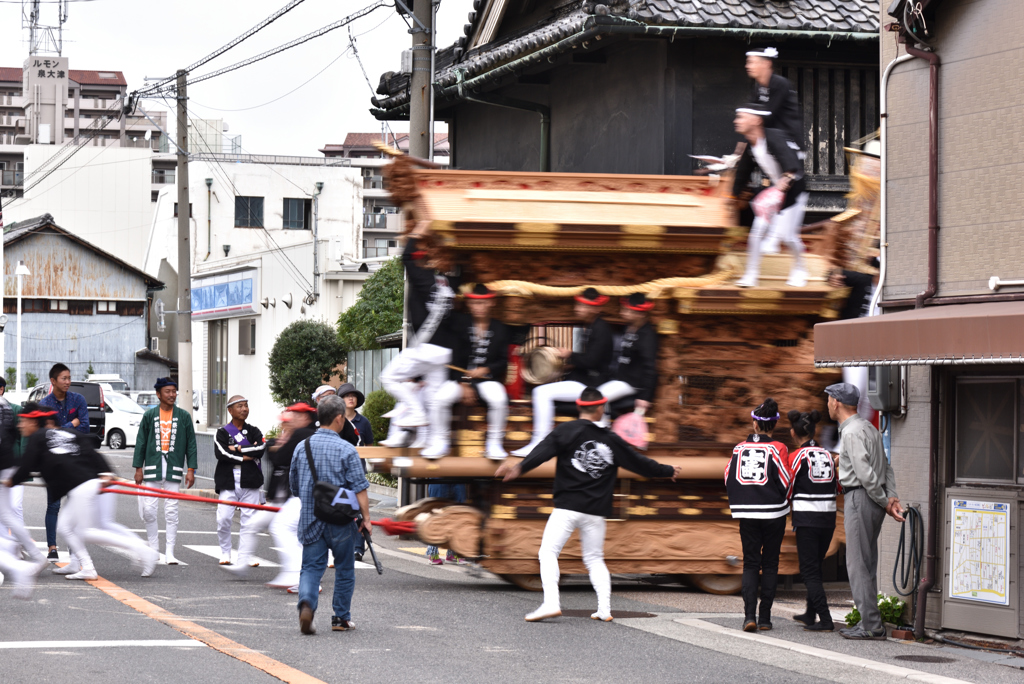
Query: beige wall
(981, 172)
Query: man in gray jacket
(869, 488)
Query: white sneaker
(169, 557)
(603, 617)
(412, 418)
(436, 451)
(402, 438)
(746, 281)
(797, 278)
(495, 450)
(543, 613)
(225, 560)
(69, 569)
(239, 570)
(147, 560)
(525, 451)
(85, 574)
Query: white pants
(78, 520)
(560, 527)
(426, 361)
(106, 520)
(226, 513)
(450, 393)
(786, 225)
(284, 528)
(544, 398)
(11, 516)
(148, 509)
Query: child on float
(758, 482)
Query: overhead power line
(287, 46)
(221, 50)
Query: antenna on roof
(43, 38)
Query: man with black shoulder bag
(328, 477)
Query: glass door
(218, 373)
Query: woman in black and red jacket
(815, 486)
(758, 482)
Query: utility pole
(184, 252)
(420, 93)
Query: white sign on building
(980, 552)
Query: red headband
(472, 295)
(38, 414)
(419, 254)
(646, 306)
(600, 301)
(596, 402)
(301, 407)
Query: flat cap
(844, 393)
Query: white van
(113, 380)
(123, 417)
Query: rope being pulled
(652, 287)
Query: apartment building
(382, 220)
(45, 102)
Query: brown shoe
(749, 626)
(306, 619)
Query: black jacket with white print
(252, 473)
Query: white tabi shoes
(523, 452)
(543, 613)
(495, 451)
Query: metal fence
(364, 368)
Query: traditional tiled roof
(843, 18)
(10, 75)
(367, 140)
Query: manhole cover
(925, 659)
(617, 614)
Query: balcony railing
(13, 177)
(371, 252)
(373, 183)
(163, 176)
(375, 221)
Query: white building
(254, 273)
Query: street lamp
(21, 272)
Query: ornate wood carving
(455, 527)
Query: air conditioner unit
(154, 344)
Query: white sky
(155, 38)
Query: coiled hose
(909, 554)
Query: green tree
(304, 356)
(31, 380)
(11, 375)
(377, 311)
(88, 371)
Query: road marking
(126, 553)
(142, 531)
(186, 643)
(885, 668)
(214, 552)
(199, 633)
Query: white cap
(322, 390)
(751, 110)
(767, 53)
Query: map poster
(980, 552)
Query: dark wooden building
(637, 86)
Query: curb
(383, 491)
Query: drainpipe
(928, 581)
(933, 268)
(316, 242)
(209, 217)
(882, 235)
(933, 174)
(524, 105)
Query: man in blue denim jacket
(337, 462)
(72, 414)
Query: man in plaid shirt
(337, 462)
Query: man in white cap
(768, 150)
(238, 447)
(869, 491)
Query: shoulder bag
(332, 503)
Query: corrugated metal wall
(364, 368)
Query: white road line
(125, 553)
(885, 668)
(234, 534)
(214, 552)
(177, 643)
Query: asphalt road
(416, 623)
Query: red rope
(162, 494)
(396, 527)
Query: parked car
(111, 380)
(123, 418)
(146, 400)
(94, 399)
